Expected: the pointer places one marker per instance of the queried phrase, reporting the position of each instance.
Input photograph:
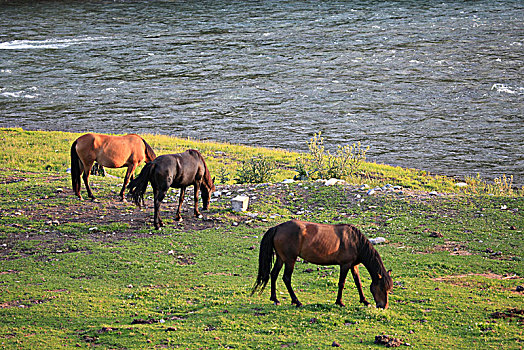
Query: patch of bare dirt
(388, 341)
(465, 281)
(509, 314)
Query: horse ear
(389, 273)
(213, 179)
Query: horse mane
(371, 259)
(207, 175)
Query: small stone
(461, 184)
(334, 181)
(240, 203)
(370, 192)
(288, 181)
(364, 187)
(433, 193)
(377, 240)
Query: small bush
(321, 164)
(500, 186)
(256, 170)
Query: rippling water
(432, 85)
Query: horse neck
(371, 260)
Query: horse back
(111, 151)
(320, 244)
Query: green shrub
(256, 170)
(321, 164)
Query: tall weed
(320, 163)
(256, 170)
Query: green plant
(324, 165)
(500, 186)
(256, 170)
(223, 175)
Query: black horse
(173, 170)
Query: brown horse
(321, 244)
(108, 151)
(178, 171)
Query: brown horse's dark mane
(371, 260)
(207, 175)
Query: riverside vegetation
(78, 274)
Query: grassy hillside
(78, 274)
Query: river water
(434, 85)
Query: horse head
(380, 288)
(207, 187)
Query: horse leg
(180, 200)
(344, 269)
(197, 213)
(356, 278)
(159, 195)
(288, 271)
(129, 175)
(274, 276)
(85, 177)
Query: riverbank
(77, 274)
(49, 150)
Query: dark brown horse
(178, 171)
(321, 244)
(108, 151)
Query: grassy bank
(78, 274)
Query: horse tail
(265, 260)
(149, 151)
(75, 169)
(137, 187)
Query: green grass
(102, 276)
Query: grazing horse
(108, 151)
(178, 171)
(321, 244)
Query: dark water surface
(435, 85)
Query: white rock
(377, 240)
(332, 182)
(364, 187)
(433, 193)
(288, 181)
(240, 203)
(370, 192)
(461, 184)
(217, 193)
